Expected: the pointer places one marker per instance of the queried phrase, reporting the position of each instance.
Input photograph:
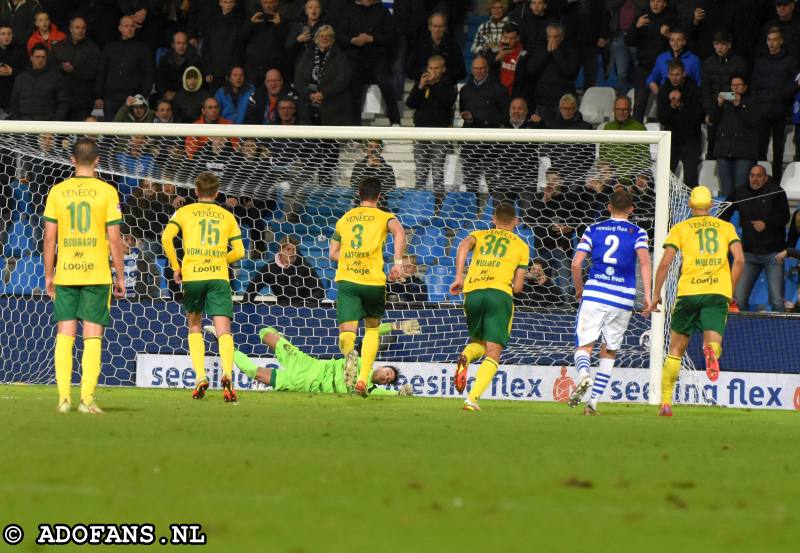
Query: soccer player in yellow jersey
(82, 217)
(497, 272)
(357, 247)
(211, 242)
(704, 288)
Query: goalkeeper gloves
(406, 390)
(409, 327)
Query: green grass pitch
(299, 473)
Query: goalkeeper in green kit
(301, 372)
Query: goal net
(287, 186)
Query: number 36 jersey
(496, 257)
(612, 245)
(362, 232)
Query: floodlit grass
(302, 473)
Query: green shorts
(489, 314)
(299, 371)
(90, 303)
(212, 297)
(359, 301)
(700, 312)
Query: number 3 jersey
(207, 229)
(362, 232)
(82, 207)
(612, 245)
(496, 257)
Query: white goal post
(14, 132)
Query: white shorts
(595, 319)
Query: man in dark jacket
(20, 14)
(551, 69)
(437, 42)
(78, 58)
(789, 25)
(763, 215)
(263, 38)
(574, 161)
(532, 19)
(773, 86)
(432, 99)
(709, 17)
(12, 62)
(148, 17)
(169, 76)
(681, 111)
(221, 43)
(586, 27)
(101, 18)
(262, 107)
(519, 161)
(483, 103)
(289, 277)
(39, 93)
(125, 69)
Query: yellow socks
(197, 351)
(369, 351)
(482, 380)
(63, 362)
(90, 368)
(473, 351)
(716, 348)
(347, 342)
(226, 354)
(669, 375)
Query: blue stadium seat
(430, 247)
(759, 295)
(527, 235)
(325, 206)
(20, 240)
(163, 285)
(437, 280)
(22, 198)
(459, 210)
(246, 242)
(413, 207)
(26, 277)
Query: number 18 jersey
(612, 245)
(362, 232)
(496, 257)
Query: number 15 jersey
(496, 257)
(362, 232)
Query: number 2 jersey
(82, 207)
(496, 257)
(362, 232)
(703, 242)
(612, 245)
(206, 229)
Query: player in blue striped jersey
(608, 297)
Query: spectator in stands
(209, 115)
(410, 21)
(789, 26)
(626, 159)
(12, 62)
(221, 41)
(203, 16)
(173, 64)
(125, 69)
(302, 32)
(691, 63)
(367, 34)
(735, 124)
(135, 110)
(102, 17)
(532, 21)
(763, 214)
(792, 238)
(773, 87)
(323, 79)
(263, 37)
(163, 113)
(432, 101)
(148, 18)
(262, 109)
(78, 58)
(506, 59)
(39, 93)
(234, 96)
(594, 197)
(586, 28)
(437, 42)
(539, 289)
(250, 213)
(46, 33)
(374, 165)
(483, 103)
(716, 74)
(490, 33)
(680, 110)
(60, 11)
(550, 71)
(622, 18)
(410, 288)
(572, 162)
(706, 19)
(519, 162)
(289, 276)
(189, 99)
(650, 37)
(21, 15)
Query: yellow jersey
(703, 242)
(207, 229)
(362, 233)
(496, 257)
(82, 207)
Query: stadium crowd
(727, 68)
